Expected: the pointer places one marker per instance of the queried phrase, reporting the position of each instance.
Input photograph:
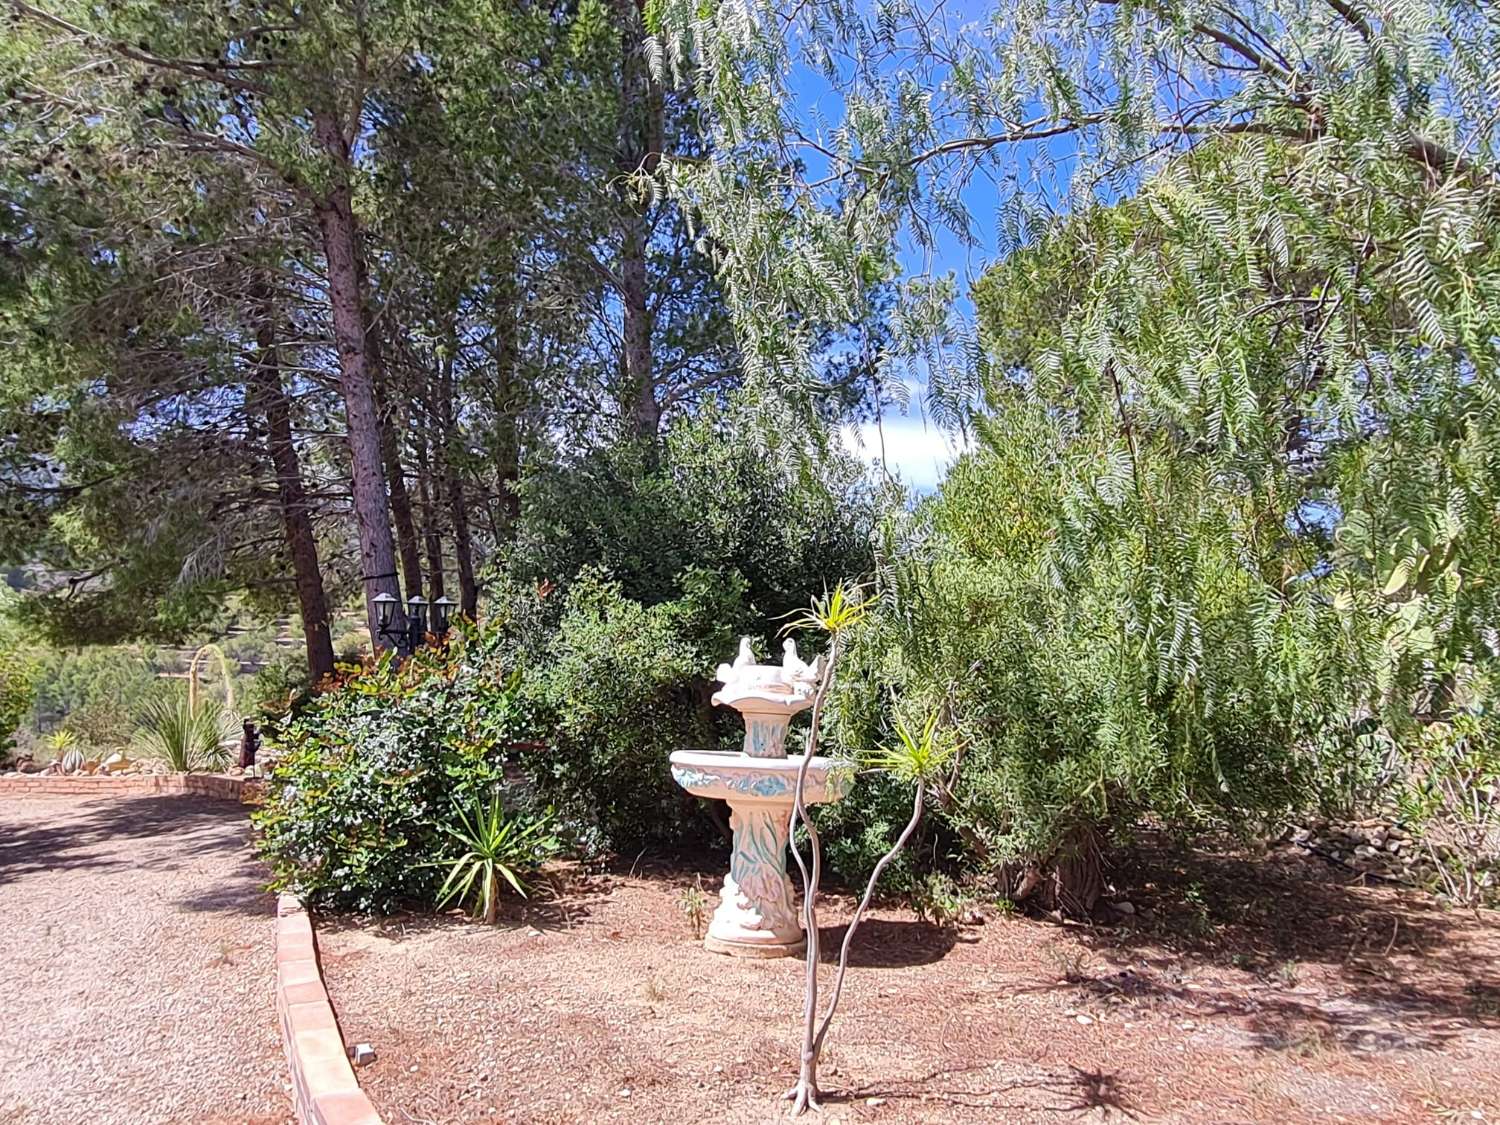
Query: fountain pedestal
(757, 914)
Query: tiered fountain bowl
(757, 913)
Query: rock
(1301, 836)
(972, 918)
(1125, 907)
(1083, 1019)
(115, 763)
(362, 1054)
(874, 1101)
(26, 765)
(1365, 851)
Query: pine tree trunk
(407, 547)
(270, 399)
(508, 406)
(432, 536)
(463, 550)
(640, 151)
(336, 224)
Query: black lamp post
(408, 640)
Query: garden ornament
(757, 914)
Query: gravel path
(136, 981)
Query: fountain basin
(735, 777)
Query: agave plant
(60, 741)
(497, 847)
(187, 734)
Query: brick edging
(242, 789)
(324, 1089)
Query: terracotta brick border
(324, 1089)
(244, 790)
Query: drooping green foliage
(1224, 538)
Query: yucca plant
(497, 847)
(186, 734)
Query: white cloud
(916, 451)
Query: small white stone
(1085, 1020)
(874, 1101)
(625, 1093)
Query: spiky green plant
(60, 741)
(184, 734)
(496, 847)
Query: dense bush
(17, 691)
(726, 494)
(617, 686)
(1100, 659)
(372, 769)
(660, 558)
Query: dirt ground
(1256, 989)
(137, 980)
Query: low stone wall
(244, 790)
(324, 1089)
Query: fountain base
(757, 914)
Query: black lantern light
(442, 609)
(385, 605)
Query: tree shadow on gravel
(118, 833)
(881, 943)
(1234, 935)
(1074, 1090)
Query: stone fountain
(757, 914)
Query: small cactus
(72, 761)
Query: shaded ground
(137, 979)
(1247, 989)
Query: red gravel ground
(1290, 996)
(137, 981)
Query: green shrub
(17, 694)
(1102, 657)
(618, 686)
(726, 494)
(370, 769)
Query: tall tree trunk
(390, 443)
(508, 407)
(463, 548)
(268, 397)
(390, 454)
(336, 224)
(432, 535)
(640, 151)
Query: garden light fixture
(408, 639)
